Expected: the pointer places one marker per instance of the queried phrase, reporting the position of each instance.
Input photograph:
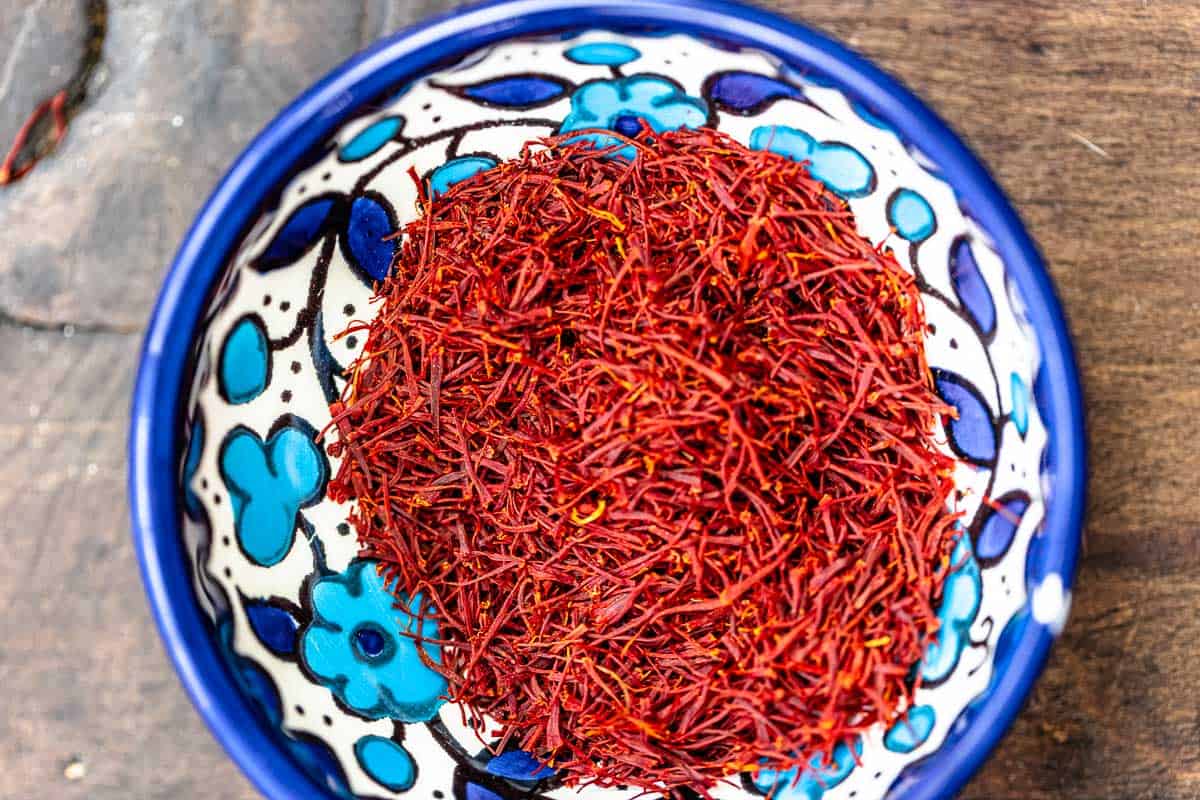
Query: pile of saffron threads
(653, 437)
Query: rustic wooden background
(1086, 111)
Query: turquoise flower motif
(269, 482)
(911, 730)
(961, 595)
(839, 166)
(621, 104)
(356, 647)
(815, 780)
(457, 170)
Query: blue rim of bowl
(154, 440)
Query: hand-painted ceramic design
(308, 629)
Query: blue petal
(457, 171)
(386, 762)
(973, 433)
(970, 287)
(268, 483)
(298, 233)
(911, 215)
(276, 627)
(961, 595)
(476, 792)
(515, 91)
(245, 362)
(1020, 403)
(911, 730)
(747, 92)
(518, 765)
(367, 229)
(370, 139)
(298, 464)
(817, 778)
(611, 54)
(999, 526)
(839, 166)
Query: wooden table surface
(1087, 112)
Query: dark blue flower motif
(320, 762)
(518, 765)
(269, 482)
(816, 779)
(1006, 648)
(523, 91)
(365, 225)
(973, 432)
(839, 166)
(367, 240)
(747, 93)
(473, 791)
(621, 104)
(356, 647)
(960, 603)
(299, 232)
(1041, 400)
(970, 286)
(998, 525)
(328, 369)
(276, 624)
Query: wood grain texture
(84, 242)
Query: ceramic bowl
(281, 633)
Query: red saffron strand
(653, 436)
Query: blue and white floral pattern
(269, 482)
(960, 603)
(309, 628)
(362, 647)
(839, 166)
(625, 104)
(813, 782)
